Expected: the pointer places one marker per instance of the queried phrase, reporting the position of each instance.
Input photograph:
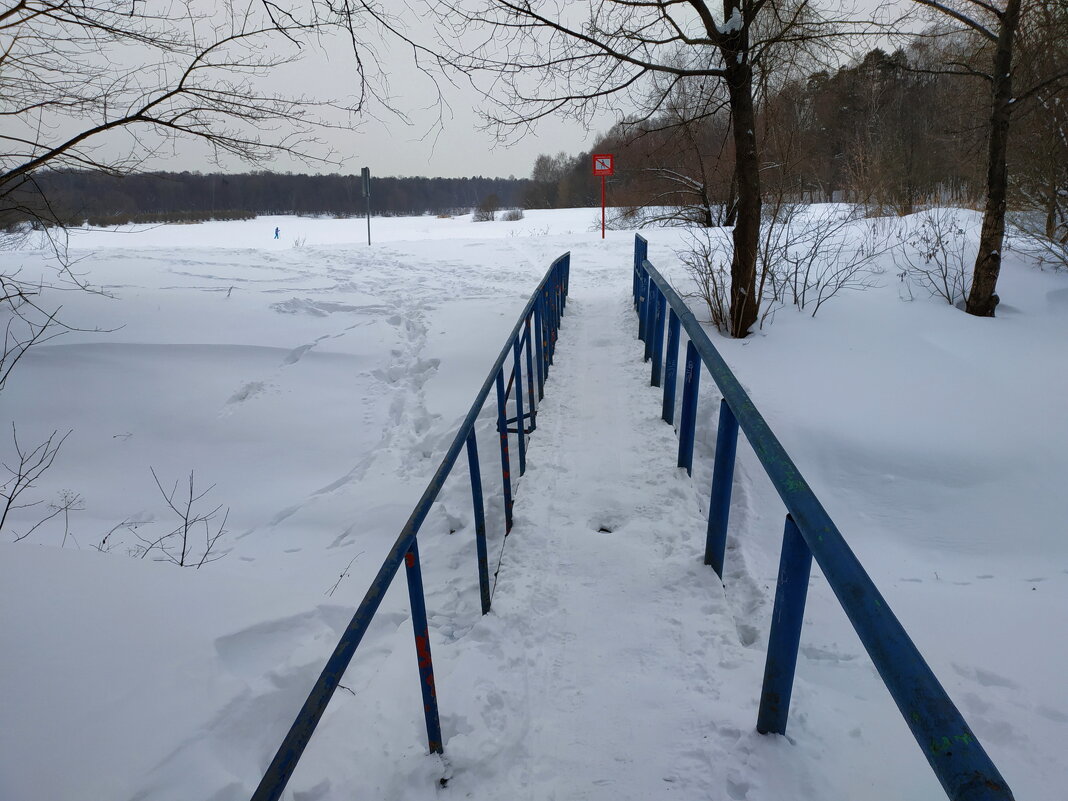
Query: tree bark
(730, 213)
(746, 234)
(1051, 212)
(982, 299)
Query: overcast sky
(456, 147)
(390, 146)
(437, 139)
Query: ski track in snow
(409, 435)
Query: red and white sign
(604, 164)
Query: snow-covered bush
(937, 255)
(707, 259)
(808, 254)
(1032, 236)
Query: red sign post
(604, 164)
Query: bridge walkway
(614, 644)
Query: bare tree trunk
(1051, 212)
(981, 299)
(730, 213)
(746, 235)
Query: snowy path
(599, 685)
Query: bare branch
(964, 19)
(23, 472)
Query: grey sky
(387, 143)
(389, 146)
(458, 148)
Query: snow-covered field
(313, 383)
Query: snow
(316, 382)
(732, 24)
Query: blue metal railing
(538, 342)
(958, 760)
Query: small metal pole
(643, 301)
(641, 251)
(795, 565)
(502, 426)
(547, 304)
(651, 291)
(658, 338)
(422, 648)
(671, 368)
(530, 379)
(567, 276)
(517, 348)
(554, 318)
(539, 335)
(719, 508)
(688, 423)
(634, 275)
(365, 173)
(554, 294)
(480, 520)
(602, 206)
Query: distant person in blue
(277, 231)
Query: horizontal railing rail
(533, 337)
(956, 756)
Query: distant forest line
(889, 131)
(76, 196)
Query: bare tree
(104, 85)
(183, 544)
(74, 72)
(1039, 152)
(551, 57)
(676, 165)
(935, 255)
(999, 25)
(23, 471)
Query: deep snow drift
(315, 382)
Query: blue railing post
(688, 423)
(539, 346)
(650, 315)
(546, 321)
(671, 368)
(530, 374)
(641, 251)
(643, 299)
(555, 325)
(550, 300)
(532, 411)
(658, 338)
(565, 266)
(795, 564)
(719, 508)
(560, 289)
(517, 350)
(558, 295)
(502, 426)
(422, 647)
(480, 520)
